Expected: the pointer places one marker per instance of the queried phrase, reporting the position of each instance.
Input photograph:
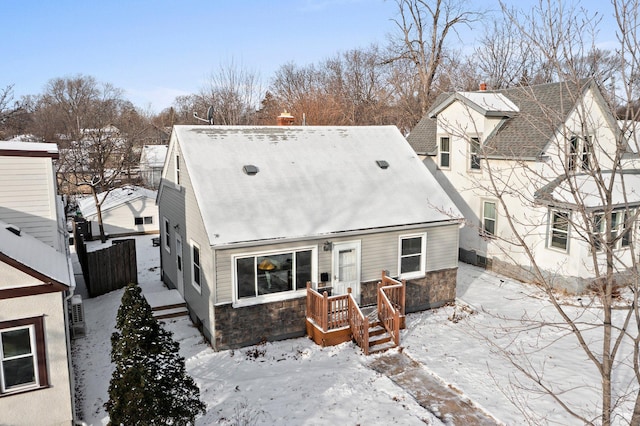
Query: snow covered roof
(34, 254)
(19, 148)
(115, 198)
(486, 103)
(559, 192)
(153, 155)
(310, 181)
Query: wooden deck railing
(328, 312)
(335, 312)
(359, 325)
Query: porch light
(328, 245)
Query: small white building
(151, 164)
(128, 210)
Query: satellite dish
(210, 114)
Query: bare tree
(578, 192)
(13, 115)
(423, 30)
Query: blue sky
(156, 50)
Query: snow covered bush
(149, 384)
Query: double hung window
(559, 230)
(412, 255)
(445, 153)
(22, 365)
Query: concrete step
(170, 312)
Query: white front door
(179, 265)
(346, 268)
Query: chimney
(285, 119)
(483, 87)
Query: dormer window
(445, 152)
(474, 154)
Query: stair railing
(359, 324)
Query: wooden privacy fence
(111, 268)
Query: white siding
(120, 219)
(27, 196)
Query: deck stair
(336, 319)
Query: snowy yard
(297, 382)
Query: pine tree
(149, 385)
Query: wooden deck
(332, 320)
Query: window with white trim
(559, 230)
(445, 152)
(166, 234)
(580, 152)
(474, 154)
(177, 169)
(412, 257)
(489, 217)
(268, 275)
(146, 220)
(22, 353)
(621, 228)
(196, 269)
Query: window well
(383, 164)
(250, 169)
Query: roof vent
(250, 169)
(13, 229)
(382, 164)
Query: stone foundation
(249, 325)
(435, 289)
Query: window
(489, 217)
(143, 220)
(412, 258)
(166, 234)
(444, 152)
(619, 229)
(474, 149)
(559, 230)
(177, 169)
(196, 269)
(268, 275)
(580, 148)
(22, 355)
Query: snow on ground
(297, 382)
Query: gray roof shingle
(542, 109)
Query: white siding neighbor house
(128, 210)
(36, 282)
(151, 164)
(249, 215)
(528, 158)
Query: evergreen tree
(149, 385)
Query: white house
(251, 214)
(128, 210)
(36, 283)
(504, 157)
(151, 164)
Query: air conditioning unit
(77, 316)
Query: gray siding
(27, 196)
(378, 251)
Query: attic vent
(14, 229)
(382, 164)
(250, 169)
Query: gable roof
(34, 257)
(153, 155)
(523, 133)
(310, 181)
(114, 198)
(28, 149)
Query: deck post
(403, 294)
(325, 311)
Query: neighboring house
(251, 214)
(36, 282)
(534, 140)
(128, 210)
(151, 164)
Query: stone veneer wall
(435, 289)
(249, 325)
